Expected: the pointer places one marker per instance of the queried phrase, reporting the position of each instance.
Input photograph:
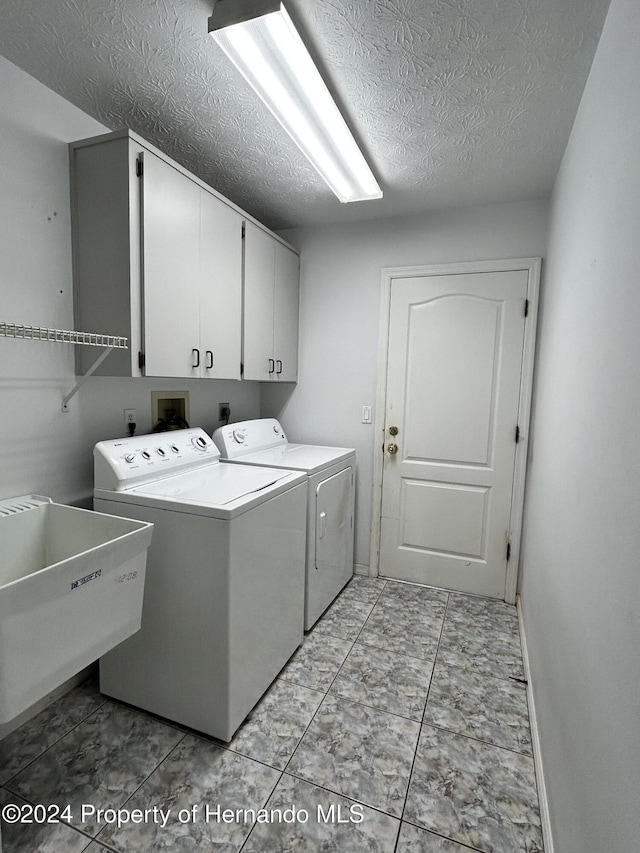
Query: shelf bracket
(96, 364)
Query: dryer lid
(309, 458)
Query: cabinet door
(170, 270)
(259, 272)
(285, 334)
(220, 288)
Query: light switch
(366, 414)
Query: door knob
(393, 430)
(392, 448)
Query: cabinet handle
(279, 370)
(272, 366)
(197, 353)
(209, 359)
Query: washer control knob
(160, 452)
(145, 454)
(175, 448)
(199, 443)
(129, 457)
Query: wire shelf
(39, 333)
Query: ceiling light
(259, 38)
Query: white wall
(43, 450)
(581, 567)
(339, 308)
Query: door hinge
(141, 360)
(508, 551)
(526, 307)
(139, 167)
(517, 434)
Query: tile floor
(400, 725)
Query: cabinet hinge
(241, 367)
(139, 167)
(517, 434)
(526, 307)
(141, 360)
(244, 229)
(508, 551)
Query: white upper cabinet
(158, 258)
(286, 311)
(191, 277)
(271, 298)
(170, 270)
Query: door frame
(532, 266)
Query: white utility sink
(71, 588)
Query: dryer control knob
(239, 435)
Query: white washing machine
(331, 474)
(224, 598)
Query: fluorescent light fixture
(259, 38)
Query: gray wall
(581, 570)
(341, 273)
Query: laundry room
(504, 143)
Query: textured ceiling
(454, 102)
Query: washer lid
(218, 491)
(309, 458)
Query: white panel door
(220, 289)
(170, 255)
(453, 385)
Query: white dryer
(331, 473)
(224, 598)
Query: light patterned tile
(274, 727)
(19, 748)
(412, 839)
(468, 646)
(484, 614)
(23, 837)
(361, 588)
(343, 619)
(316, 663)
(490, 709)
(399, 629)
(474, 793)
(333, 824)
(101, 762)
(422, 598)
(360, 752)
(198, 775)
(385, 680)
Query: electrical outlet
(129, 417)
(224, 411)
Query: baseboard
(359, 569)
(545, 818)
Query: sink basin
(71, 588)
